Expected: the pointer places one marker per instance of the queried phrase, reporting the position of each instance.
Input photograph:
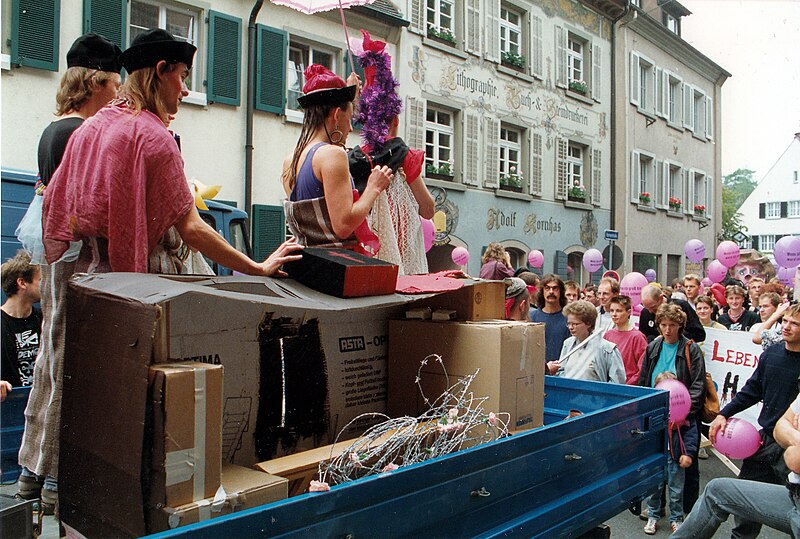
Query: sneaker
(644, 515)
(49, 501)
(29, 488)
(675, 525)
(651, 526)
(702, 454)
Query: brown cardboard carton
(510, 356)
(242, 488)
(187, 432)
(481, 300)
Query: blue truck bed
(556, 481)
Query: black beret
(94, 52)
(152, 46)
(330, 96)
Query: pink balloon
(716, 271)
(460, 256)
(739, 440)
(694, 250)
(728, 253)
(786, 275)
(706, 282)
(631, 286)
(536, 259)
(679, 400)
(787, 251)
(592, 260)
(636, 310)
(428, 233)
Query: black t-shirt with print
(20, 346)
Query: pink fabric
(413, 164)
(368, 242)
(122, 179)
(631, 345)
(319, 77)
(495, 270)
(431, 282)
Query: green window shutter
(224, 58)
(268, 230)
(272, 48)
(35, 32)
(109, 18)
(560, 264)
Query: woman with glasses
(586, 355)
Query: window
(699, 190)
(511, 174)
(793, 209)
(773, 210)
(795, 179)
(766, 242)
(575, 170)
(674, 100)
(575, 59)
(179, 20)
(699, 113)
(578, 64)
(578, 171)
(643, 82)
(439, 136)
(510, 31)
(302, 55)
(645, 261)
(636, 3)
(671, 23)
(441, 20)
(674, 185)
(646, 179)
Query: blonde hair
(76, 88)
(494, 251)
(141, 90)
(666, 375)
(583, 310)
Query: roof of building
(383, 10)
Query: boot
(29, 487)
(49, 501)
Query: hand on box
(283, 254)
(5, 389)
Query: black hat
(333, 96)
(95, 52)
(152, 46)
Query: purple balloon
(536, 259)
(739, 440)
(592, 260)
(786, 275)
(787, 251)
(706, 282)
(460, 256)
(636, 310)
(428, 233)
(694, 250)
(728, 253)
(650, 275)
(679, 400)
(631, 286)
(716, 271)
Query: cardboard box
(476, 300)
(343, 273)
(242, 488)
(187, 432)
(510, 356)
(299, 366)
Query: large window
(441, 19)
(773, 210)
(646, 95)
(510, 157)
(575, 178)
(699, 113)
(766, 242)
(301, 55)
(674, 185)
(700, 189)
(439, 137)
(575, 60)
(510, 31)
(646, 180)
(674, 100)
(793, 208)
(179, 20)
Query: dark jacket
(688, 434)
(694, 329)
(695, 381)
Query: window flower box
(443, 35)
(699, 210)
(644, 198)
(577, 193)
(675, 204)
(578, 86)
(513, 60)
(512, 181)
(442, 172)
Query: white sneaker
(675, 525)
(651, 526)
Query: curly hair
(544, 281)
(494, 251)
(585, 311)
(672, 312)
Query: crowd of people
(114, 197)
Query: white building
(773, 208)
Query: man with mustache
(549, 302)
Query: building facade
(667, 153)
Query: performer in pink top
(630, 342)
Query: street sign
(611, 235)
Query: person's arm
(769, 322)
(198, 235)
(347, 215)
(786, 433)
(749, 395)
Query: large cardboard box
(510, 356)
(481, 300)
(187, 432)
(299, 366)
(242, 488)
(343, 273)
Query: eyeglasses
(574, 324)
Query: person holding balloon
(758, 502)
(673, 351)
(682, 444)
(775, 384)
